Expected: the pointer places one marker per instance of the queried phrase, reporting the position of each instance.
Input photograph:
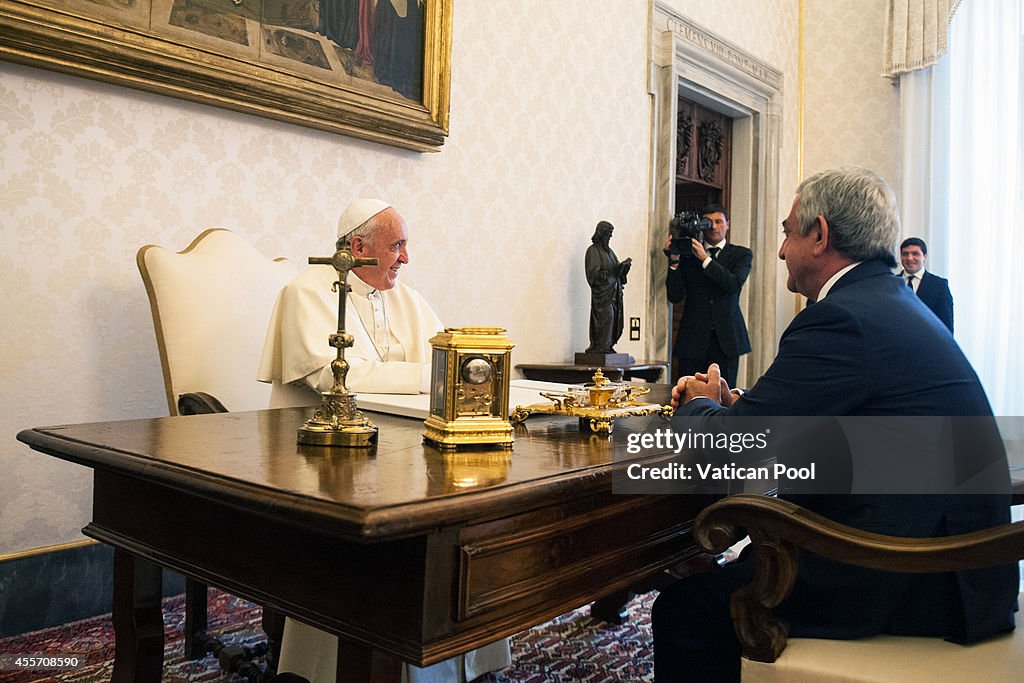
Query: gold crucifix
(338, 422)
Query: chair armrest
(777, 528)
(199, 403)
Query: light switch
(634, 329)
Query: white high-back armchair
(211, 304)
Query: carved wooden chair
(211, 304)
(777, 528)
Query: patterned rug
(572, 647)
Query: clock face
(476, 370)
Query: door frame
(688, 60)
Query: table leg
(138, 620)
(358, 663)
(196, 616)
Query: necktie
(910, 281)
(713, 251)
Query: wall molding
(42, 550)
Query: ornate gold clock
(469, 388)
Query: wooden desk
(580, 374)
(406, 553)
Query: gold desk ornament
(469, 388)
(338, 422)
(597, 406)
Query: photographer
(707, 274)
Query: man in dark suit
(865, 348)
(931, 289)
(709, 280)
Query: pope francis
(390, 322)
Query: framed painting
(373, 69)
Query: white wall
(852, 113)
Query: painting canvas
(378, 69)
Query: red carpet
(572, 647)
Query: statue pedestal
(649, 371)
(604, 359)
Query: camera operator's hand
(698, 250)
(673, 259)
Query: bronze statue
(606, 277)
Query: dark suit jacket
(712, 298)
(870, 348)
(934, 292)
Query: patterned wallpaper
(852, 112)
(550, 132)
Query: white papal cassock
(391, 330)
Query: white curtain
(915, 33)
(963, 174)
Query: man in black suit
(709, 280)
(931, 289)
(865, 348)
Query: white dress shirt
(916, 282)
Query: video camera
(683, 227)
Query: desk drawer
(569, 554)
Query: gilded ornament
(596, 406)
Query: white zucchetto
(358, 212)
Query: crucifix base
(356, 437)
(337, 423)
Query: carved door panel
(686, 133)
(703, 146)
(703, 171)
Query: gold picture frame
(229, 53)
